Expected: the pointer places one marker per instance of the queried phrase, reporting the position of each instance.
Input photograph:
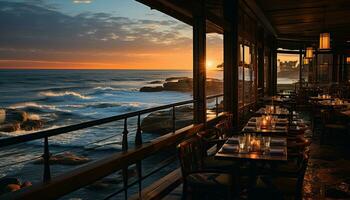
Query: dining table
(252, 157)
(321, 98)
(334, 104)
(280, 128)
(272, 110)
(277, 150)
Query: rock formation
(66, 158)
(160, 122)
(185, 84)
(12, 120)
(9, 184)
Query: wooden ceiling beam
(260, 15)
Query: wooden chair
(201, 182)
(225, 127)
(331, 123)
(211, 142)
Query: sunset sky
(95, 34)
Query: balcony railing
(70, 181)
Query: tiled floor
(328, 172)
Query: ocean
(65, 97)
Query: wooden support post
(270, 71)
(261, 74)
(231, 56)
(199, 59)
(274, 67)
(300, 67)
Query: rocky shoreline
(182, 84)
(12, 120)
(160, 122)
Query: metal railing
(125, 147)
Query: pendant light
(325, 41)
(309, 52)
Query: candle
(255, 144)
(263, 123)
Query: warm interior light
(348, 60)
(309, 52)
(306, 61)
(325, 41)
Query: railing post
(46, 157)
(138, 142)
(216, 106)
(173, 120)
(125, 149)
(125, 136)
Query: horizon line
(159, 69)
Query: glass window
(324, 65)
(287, 71)
(240, 77)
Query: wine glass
(241, 142)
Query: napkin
(232, 140)
(277, 151)
(228, 148)
(277, 141)
(249, 128)
(280, 128)
(251, 123)
(283, 120)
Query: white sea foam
(115, 89)
(104, 88)
(36, 105)
(66, 93)
(32, 104)
(24, 132)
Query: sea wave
(115, 89)
(103, 105)
(24, 132)
(66, 93)
(41, 107)
(32, 104)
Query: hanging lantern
(325, 41)
(348, 60)
(306, 61)
(309, 52)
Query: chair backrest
(207, 137)
(225, 126)
(190, 155)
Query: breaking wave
(66, 93)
